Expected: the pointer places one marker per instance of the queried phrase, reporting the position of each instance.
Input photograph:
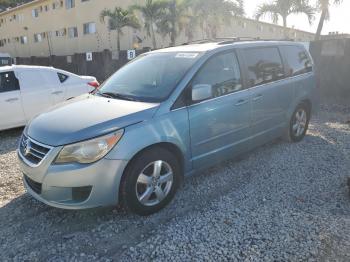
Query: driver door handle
(10, 100)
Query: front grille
(35, 186)
(32, 151)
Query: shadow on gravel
(9, 140)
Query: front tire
(150, 181)
(299, 123)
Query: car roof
(13, 67)
(209, 46)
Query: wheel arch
(171, 147)
(308, 103)
(294, 105)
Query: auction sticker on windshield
(186, 55)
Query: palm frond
(268, 9)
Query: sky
(339, 21)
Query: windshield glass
(149, 78)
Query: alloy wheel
(300, 122)
(154, 183)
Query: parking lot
(280, 202)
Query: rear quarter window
(297, 59)
(62, 77)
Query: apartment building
(65, 27)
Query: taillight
(94, 84)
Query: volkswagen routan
(167, 114)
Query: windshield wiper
(116, 96)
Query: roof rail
(230, 40)
(199, 41)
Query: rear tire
(299, 123)
(150, 181)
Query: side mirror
(201, 92)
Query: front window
(8, 82)
(222, 73)
(151, 77)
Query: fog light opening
(81, 193)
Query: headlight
(89, 151)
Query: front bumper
(59, 184)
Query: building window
(61, 32)
(23, 40)
(57, 4)
(35, 13)
(72, 32)
(89, 28)
(38, 37)
(70, 4)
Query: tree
(285, 8)
(188, 14)
(210, 14)
(11, 3)
(324, 5)
(168, 24)
(118, 19)
(152, 12)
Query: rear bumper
(75, 186)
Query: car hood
(85, 117)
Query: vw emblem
(26, 147)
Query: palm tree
(210, 14)
(324, 5)
(11, 3)
(152, 11)
(285, 8)
(169, 23)
(118, 19)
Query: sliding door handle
(258, 97)
(241, 102)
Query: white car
(25, 91)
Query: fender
(172, 127)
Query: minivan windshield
(150, 77)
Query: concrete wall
(332, 59)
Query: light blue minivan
(167, 114)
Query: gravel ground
(280, 202)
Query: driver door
(220, 125)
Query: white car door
(36, 92)
(11, 111)
(58, 89)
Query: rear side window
(8, 82)
(63, 78)
(264, 65)
(298, 61)
(222, 73)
